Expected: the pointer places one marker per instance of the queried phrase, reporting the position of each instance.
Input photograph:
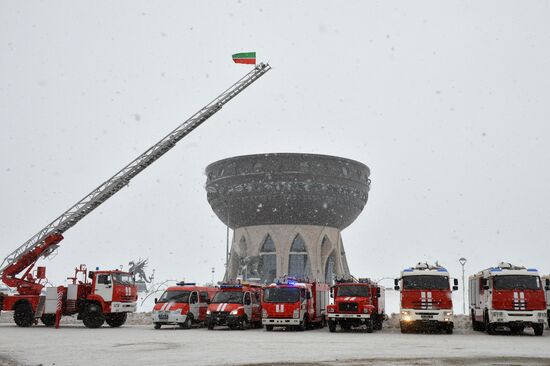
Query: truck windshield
(175, 296)
(512, 282)
(362, 291)
(123, 279)
(233, 297)
(425, 282)
(283, 294)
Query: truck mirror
(396, 288)
(455, 282)
(396, 282)
(331, 292)
(455, 288)
(547, 282)
(378, 292)
(485, 284)
(91, 275)
(156, 300)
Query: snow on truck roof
(425, 269)
(507, 269)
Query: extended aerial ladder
(47, 240)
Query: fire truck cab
(184, 304)
(292, 304)
(356, 303)
(426, 298)
(237, 306)
(507, 296)
(546, 281)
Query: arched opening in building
(267, 267)
(243, 262)
(329, 269)
(298, 264)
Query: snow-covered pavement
(142, 345)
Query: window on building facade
(267, 267)
(298, 264)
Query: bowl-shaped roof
(304, 189)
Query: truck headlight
(498, 313)
(296, 314)
(448, 313)
(366, 310)
(234, 312)
(406, 316)
(264, 313)
(542, 315)
(208, 312)
(330, 310)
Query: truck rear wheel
(158, 325)
(539, 329)
(116, 320)
(188, 322)
(269, 328)
(244, 323)
(23, 315)
(93, 316)
(48, 320)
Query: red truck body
(292, 304)
(184, 304)
(508, 296)
(426, 298)
(235, 306)
(356, 303)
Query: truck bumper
(168, 317)
(123, 307)
(426, 318)
(280, 321)
(518, 317)
(335, 316)
(227, 320)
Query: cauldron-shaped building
(287, 212)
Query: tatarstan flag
(245, 58)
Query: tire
(539, 329)
(158, 325)
(378, 322)
(244, 323)
(269, 328)
(116, 320)
(332, 326)
(210, 326)
(370, 326)
(449, 329)
(475, 324)
(188, 322)
(48, 320)
(93, 316)
(23, 315)
(404, 329)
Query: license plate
(427, 316)
(163, 316)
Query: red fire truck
(356, 303)
(546, 280)
(507, 296)
(236, 306)
(298, 305)
(426, 298)
(184, 304)
(108, 297)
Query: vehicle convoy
(184, 304)
(236, 306)
(426, 298)
(507, 296)
(295, 305)
(111, 294)
(357, 302)
(546, 281)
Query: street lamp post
(462, 263)
(213, 271)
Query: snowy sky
(446, 102)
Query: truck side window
(247, 298)
(103, 279)
(204, 296)
(303, 293)
(257, 297)
(194, 298)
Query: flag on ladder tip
(245, 58)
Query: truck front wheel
(23, 315)
(158, 325)
(539, 329)
(116, 320)
(332, 326)
(93, 316)
(269, 328)
(48, 320)
(369, 325)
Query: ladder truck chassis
(18, 271)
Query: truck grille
(222, 315)
(427, 304)
(348, 306)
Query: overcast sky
(446, 102)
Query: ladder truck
(110, 295)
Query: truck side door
(247, 304)
(203, 304)
(194, 304)
(104, 286)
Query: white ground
(141, 345)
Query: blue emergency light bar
(231, 286)
(532, 270)
(186, 284)
(408, 270)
